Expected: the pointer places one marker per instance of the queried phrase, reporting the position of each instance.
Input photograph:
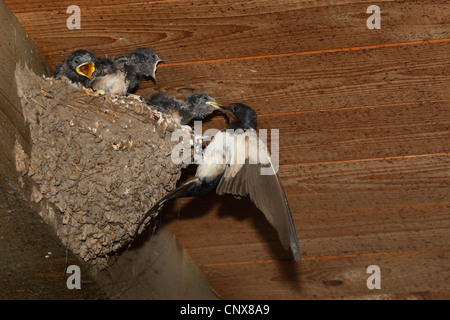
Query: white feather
(112, 84)
(231, 149)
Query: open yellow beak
(86, 69)
(214, 104)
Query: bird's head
(82, 61)
(202, 104)
(146, 61)
(240, 116)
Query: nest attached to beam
(99, 162)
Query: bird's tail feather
(179, 192)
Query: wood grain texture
(357, 133)
(201, 30)
(319, 81)
(338, 208)
(404, 275)
(364, 132)
(49, 5)
(246, 236)
(24, 272)
(16, 48)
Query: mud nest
(99, 161)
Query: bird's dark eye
(235, 108)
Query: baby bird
(122, 75)
(196, 106)
(78, 68)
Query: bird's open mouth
(153, 74)
(86, 69)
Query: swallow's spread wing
(255, 176)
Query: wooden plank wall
(364, 120)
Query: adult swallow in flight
(220, 169)
(78, 67)
(122, 75)
(196, 106)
